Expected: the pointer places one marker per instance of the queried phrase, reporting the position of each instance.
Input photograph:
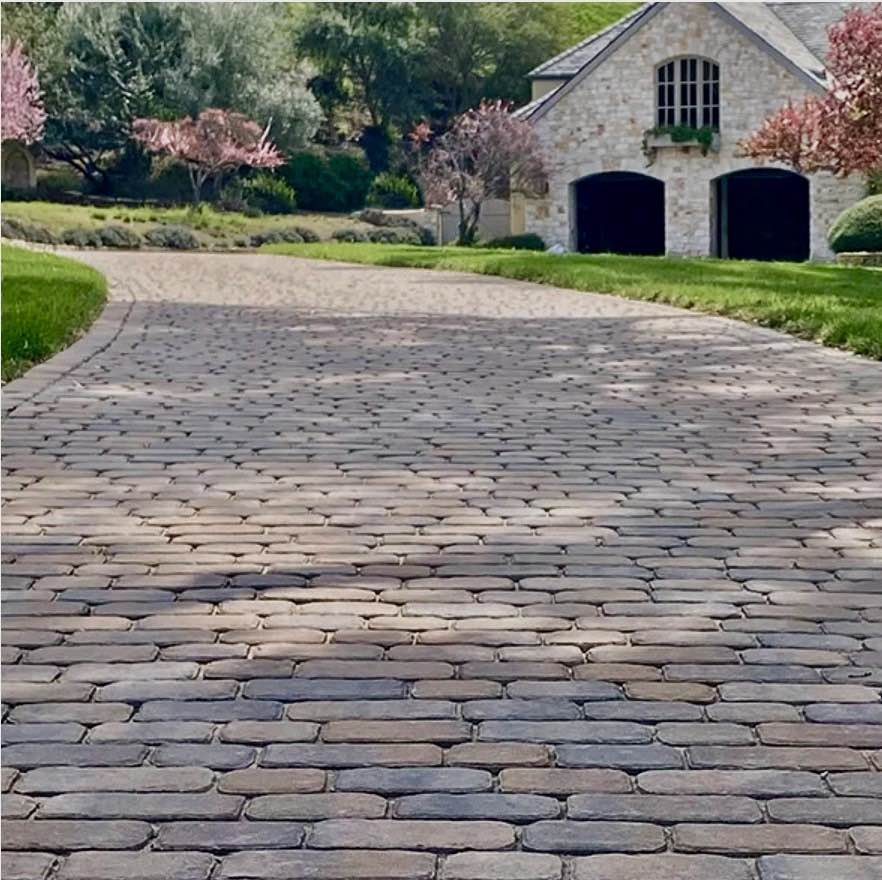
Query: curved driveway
(323, 571)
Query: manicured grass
(221, 226)
(835, 305)
(48, 301)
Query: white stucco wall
(599, 125)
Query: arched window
(687, 92)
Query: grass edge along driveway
(838, 306)
(48, 303)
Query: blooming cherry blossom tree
(214, 143)
(840, 131)
(485, 154)
(22, 106)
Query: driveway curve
(316, 570)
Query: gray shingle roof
(572, 60)
(796, 30)
(809, 21)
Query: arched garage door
(762, 214)
(620, 212)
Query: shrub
(119, 237)
(327, 181)
(307, 234)
(231, 197)
(274, 236)
(393, 235)
(81, 238)
(352, 177)
(858, 228)
(392, 191)
(270, 194)
(53, 183)
(348, 234)
(525, 242)
(11, 227)
(175, 237)
(378, 218)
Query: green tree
(380, 66)
(107, 64)
(30, 24)
(104, 68)
(471, 51)
(365, 56)
(238, 56)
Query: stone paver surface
(323, 571)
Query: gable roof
(793, 33)
(569, 62)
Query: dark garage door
(763, 214)
(620, 212)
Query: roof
(809, 21)
(796, 33)
(569, 62)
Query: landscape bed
(211, 228)
(837, 306)
(48, 301)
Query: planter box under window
(665, 141)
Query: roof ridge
(624, 20)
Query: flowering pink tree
(840, 131)
(486, 154)
(22, 107)
(214, 143)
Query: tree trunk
(196, 181)
(462, 237)
(468, 223)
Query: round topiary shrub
(119, 237)
(178, 238)
(348, 234)
(858, 228)
(81, 238)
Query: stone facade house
(620, 180)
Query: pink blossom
(21, 114)
(215, 142)
(486, 153)
(840, 131)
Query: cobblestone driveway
(315, 571)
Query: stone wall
(599, 126)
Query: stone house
(620, 180)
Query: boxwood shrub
(858, 228)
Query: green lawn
(213, 227)
(834, 305)
(48, 302)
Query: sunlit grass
(48, 301)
